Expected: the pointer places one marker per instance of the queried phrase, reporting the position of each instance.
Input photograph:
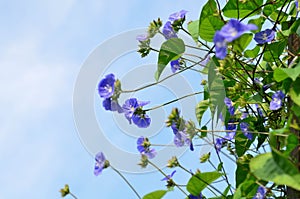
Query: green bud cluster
(173, 162)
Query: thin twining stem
(71, 194)
(158, 169)
(164, 79)
(175, 100)
(127, 182)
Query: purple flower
(181, 138)
(259, 111)
(100, 163)
(168, 31)
(178, 15)
(220, 45)
(264, 36)
(168, 177)
(229, 105)
(219, 143)
(244, 128)
(112, 105)
(175, 65)
(143, 146)
(297, 4)
(141, 120)
(141, 38)
(261, 193)
(130, 106)
(106, 86)
(234, 29)
(276, 101)
(195, 197)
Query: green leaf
(276, 168)
(292, 143)
(236, 9)
(281, 74)
(209, 21)
(295, 92)
(247, 189)
(201, 107)
(274, 50)
(155, 194)
(242, 143)
(216, 90)
(170, 49)
(252, 53)
(241, 43)
(199, 181)
(242, 169)
(193, 28)
(258, 22)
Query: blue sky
(43, 46)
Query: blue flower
(264, 36)
(141, 120)
(106, 86)
(229, 105)
(181, 138)
(259, 111)
(112, 105)
(276, 101)
(177, 15)
(130, 106)
(219, 143)
(168, 177)
(244, 128)
(220, 45)
(229, 32)
(143, 146)
(168, 31)
(142, 38)
(234, 29)
(195, 197)
(100, 163)
(175, 65)
(231, 127)
(261, 193)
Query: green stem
(166, 176)
(127, 182)
(172, 101)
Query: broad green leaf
(295, 92)
(281, 74)
(242, 169)
(200, 181)
(252, 53)
(270, 8)
(241, 43)
(236, 9)
(247, 189)
(275, 168)
(291, 143)
(274, 50)
(258, 22)
(216, 90)
(201, 107)
(209, 21)
(155, 194)
(242, 143)
(170, 49)
(193, 28)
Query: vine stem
(172, 101)
(127, 182)
(71, 194)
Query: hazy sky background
(43, 46)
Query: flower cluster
(229, 32)
(109, 88)
(179, 128)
